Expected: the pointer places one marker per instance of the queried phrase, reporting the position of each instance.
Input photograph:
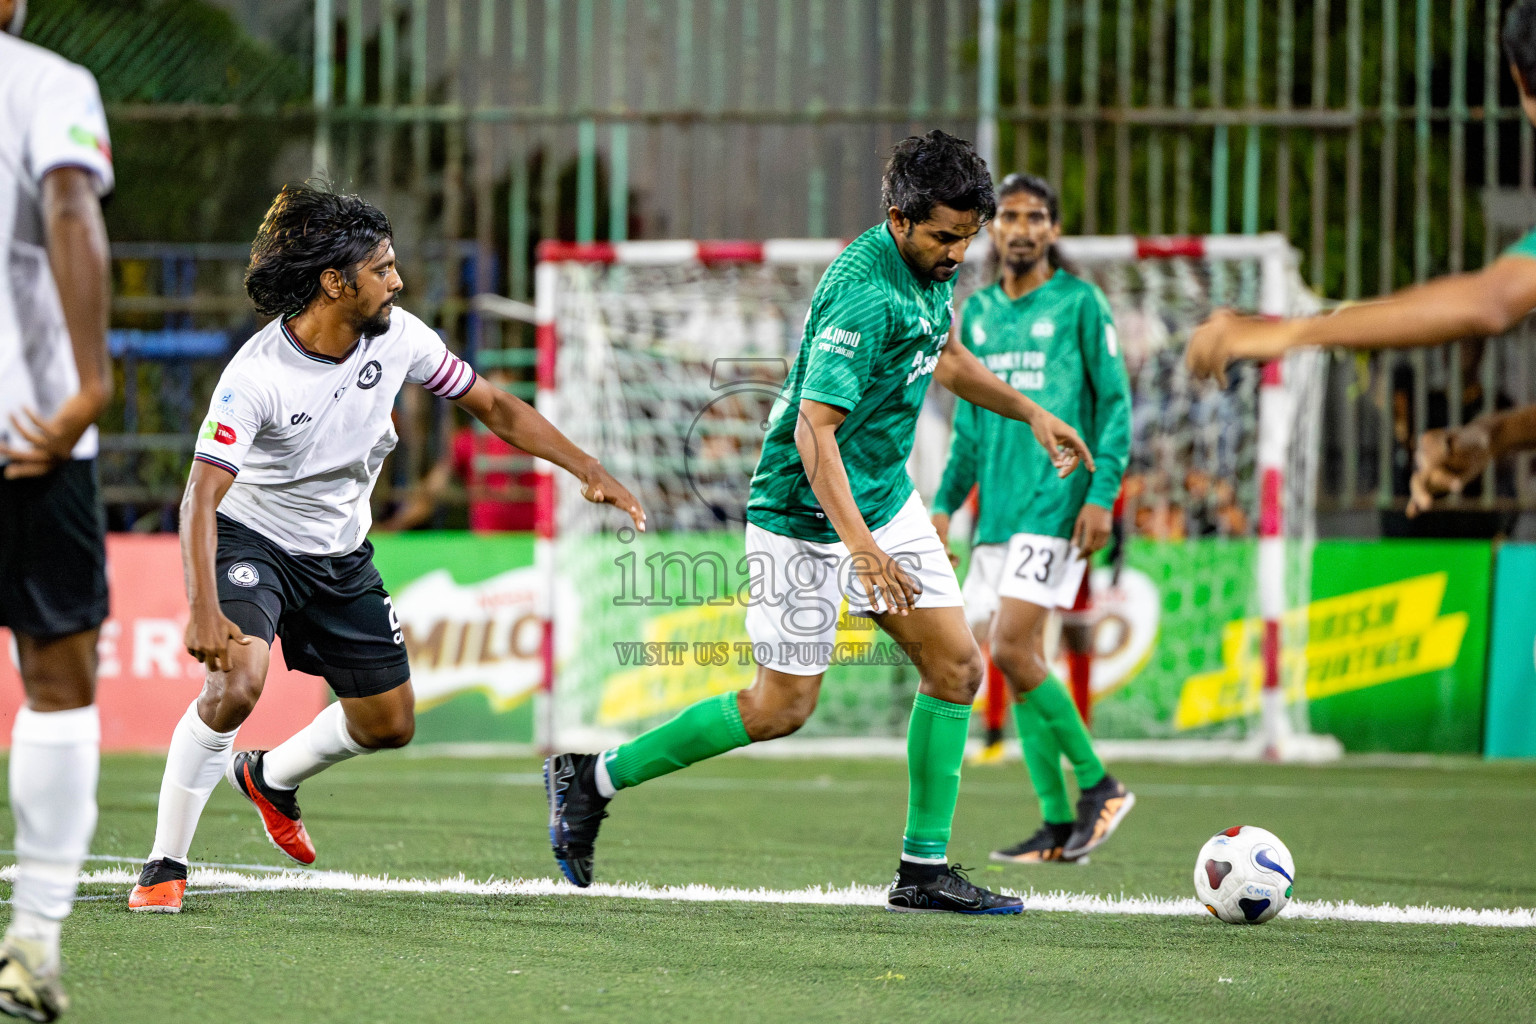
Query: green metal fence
(1359, 128)
(1363, 130)
(1384, 137)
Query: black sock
(914, 872)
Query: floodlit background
(1383, 139)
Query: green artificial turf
(1452, 833)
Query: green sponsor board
(648, 627)
(1164, 620)
(1395, 635)
(1398, 643)
(1393, 656)
(1511, 721)
(470, 612)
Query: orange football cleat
(161, 887)
(279, 807)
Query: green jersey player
(832, 514)
(1048, 334)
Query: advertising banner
(1398, 643)
(1395, 640)
(1393, 657)
(471, 610)
(1511, 722)
(146, 679)
(651, 624)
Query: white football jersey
(305, 434)
(50, 117)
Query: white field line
(853, 895)
(108, 897)
(108, 858)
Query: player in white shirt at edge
(275, 518)
(55, 380)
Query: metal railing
(1383, 137)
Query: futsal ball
(1244, 875)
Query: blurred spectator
(499, 479)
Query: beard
(1020, 264)
(373, 326)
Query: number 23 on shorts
(1036, 568)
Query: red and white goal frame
(1276, 261)
(1270, 252)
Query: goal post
(662, 358)
(1283, 447)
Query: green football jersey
(871, 342)
(1057, 345)
(1526, 246)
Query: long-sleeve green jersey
(1056, 345)
(871, 343)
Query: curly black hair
(927, 170)
(1520, 40)
(309, 229)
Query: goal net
(663, 359)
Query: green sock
(935, 749)
(1056, 706)
(703, 730)
(1042, 756)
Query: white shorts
(792, 618)
(1043, 571)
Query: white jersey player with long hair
(55, 380)
(275, 519)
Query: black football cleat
(1044, 847)
(940, 888)
(576, 811)
(1100, 809)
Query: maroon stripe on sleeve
(432, 382)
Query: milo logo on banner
(471, 617)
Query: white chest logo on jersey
(372, 372)
(244, 574)
(938, 337)
(1043, 329)
(978, 336)
(922, 365)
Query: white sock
(197, 758)
(605, 786)
(55, 759)
(911, 859)
(311, 750)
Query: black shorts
(53, 552)
(331, 612)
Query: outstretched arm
(961, 372)
(519, 424)
(77, 256)
(1489, 301)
